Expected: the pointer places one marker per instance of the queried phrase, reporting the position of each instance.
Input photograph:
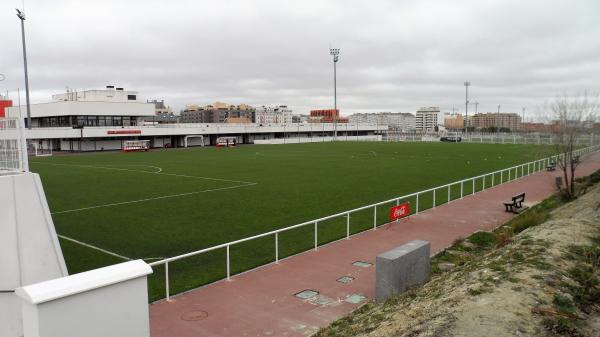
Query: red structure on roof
(4, 103)
(327, 116)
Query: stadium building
(97, 120)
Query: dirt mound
(543, 281)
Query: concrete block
(402, 268)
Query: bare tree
(573, 117)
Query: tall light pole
(335, 52)
(21, 16)
(467, 84)
(498, 119)
(523, 119)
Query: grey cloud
(395, 55)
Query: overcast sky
(395, 55)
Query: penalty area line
(94, 247)
(150, 199)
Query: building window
(131, 97)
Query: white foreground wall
(105, 302)
(29, 248)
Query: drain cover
(362, 264)
(306, 294)
(345, 279)
(195, 315)
(355, 298)
(321, 300)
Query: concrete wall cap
(83, 282)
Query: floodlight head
(334, 51)
(467, 83)
(20, 15)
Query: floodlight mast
(467, 84)
(21, 16)
(335, 52)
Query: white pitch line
(149, 199)
(94, 247)
(141, 171)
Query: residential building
(326, 116)
(501, 120)
(280, 114)
(400, 121)
(217, 112)
(428, 119)
(454, 121)
(300, 118)
(162, 113)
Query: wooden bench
(551, 167)
(516, 206)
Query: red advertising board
(399, 211)
(124, 132)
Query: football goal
(136, 145)
(40, 149)
(193, 140)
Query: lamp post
(467, 84)
(335, 52)
(21, 16)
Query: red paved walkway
(262, 302)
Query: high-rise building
(428, 119)
(280, 114)
(217, 112)
(501, 120)
(454, 121)
(400, 121)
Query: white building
(110, 94)
(104, 119)
(395, 121)
(280, 114)
(428, 119)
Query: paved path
(262, 302)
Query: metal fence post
(462, 183)
(167, 280)
(448, 193)
(228, 265)
(434, 198)
(375, 217)
(473, 192)
(417, 205)
(316, 242)
(348, 225)
(276, 247)
(493, 176)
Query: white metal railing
(491, 137)
(487, 180)
(13, 148)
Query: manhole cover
(362, 264)
(195, 315)
(345, 279)
(306, 294)
(355, 298)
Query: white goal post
(136, 145)
(40, 148)
(185, 139)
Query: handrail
(538, 162)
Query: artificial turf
(167, 202)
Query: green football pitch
(163, 203)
